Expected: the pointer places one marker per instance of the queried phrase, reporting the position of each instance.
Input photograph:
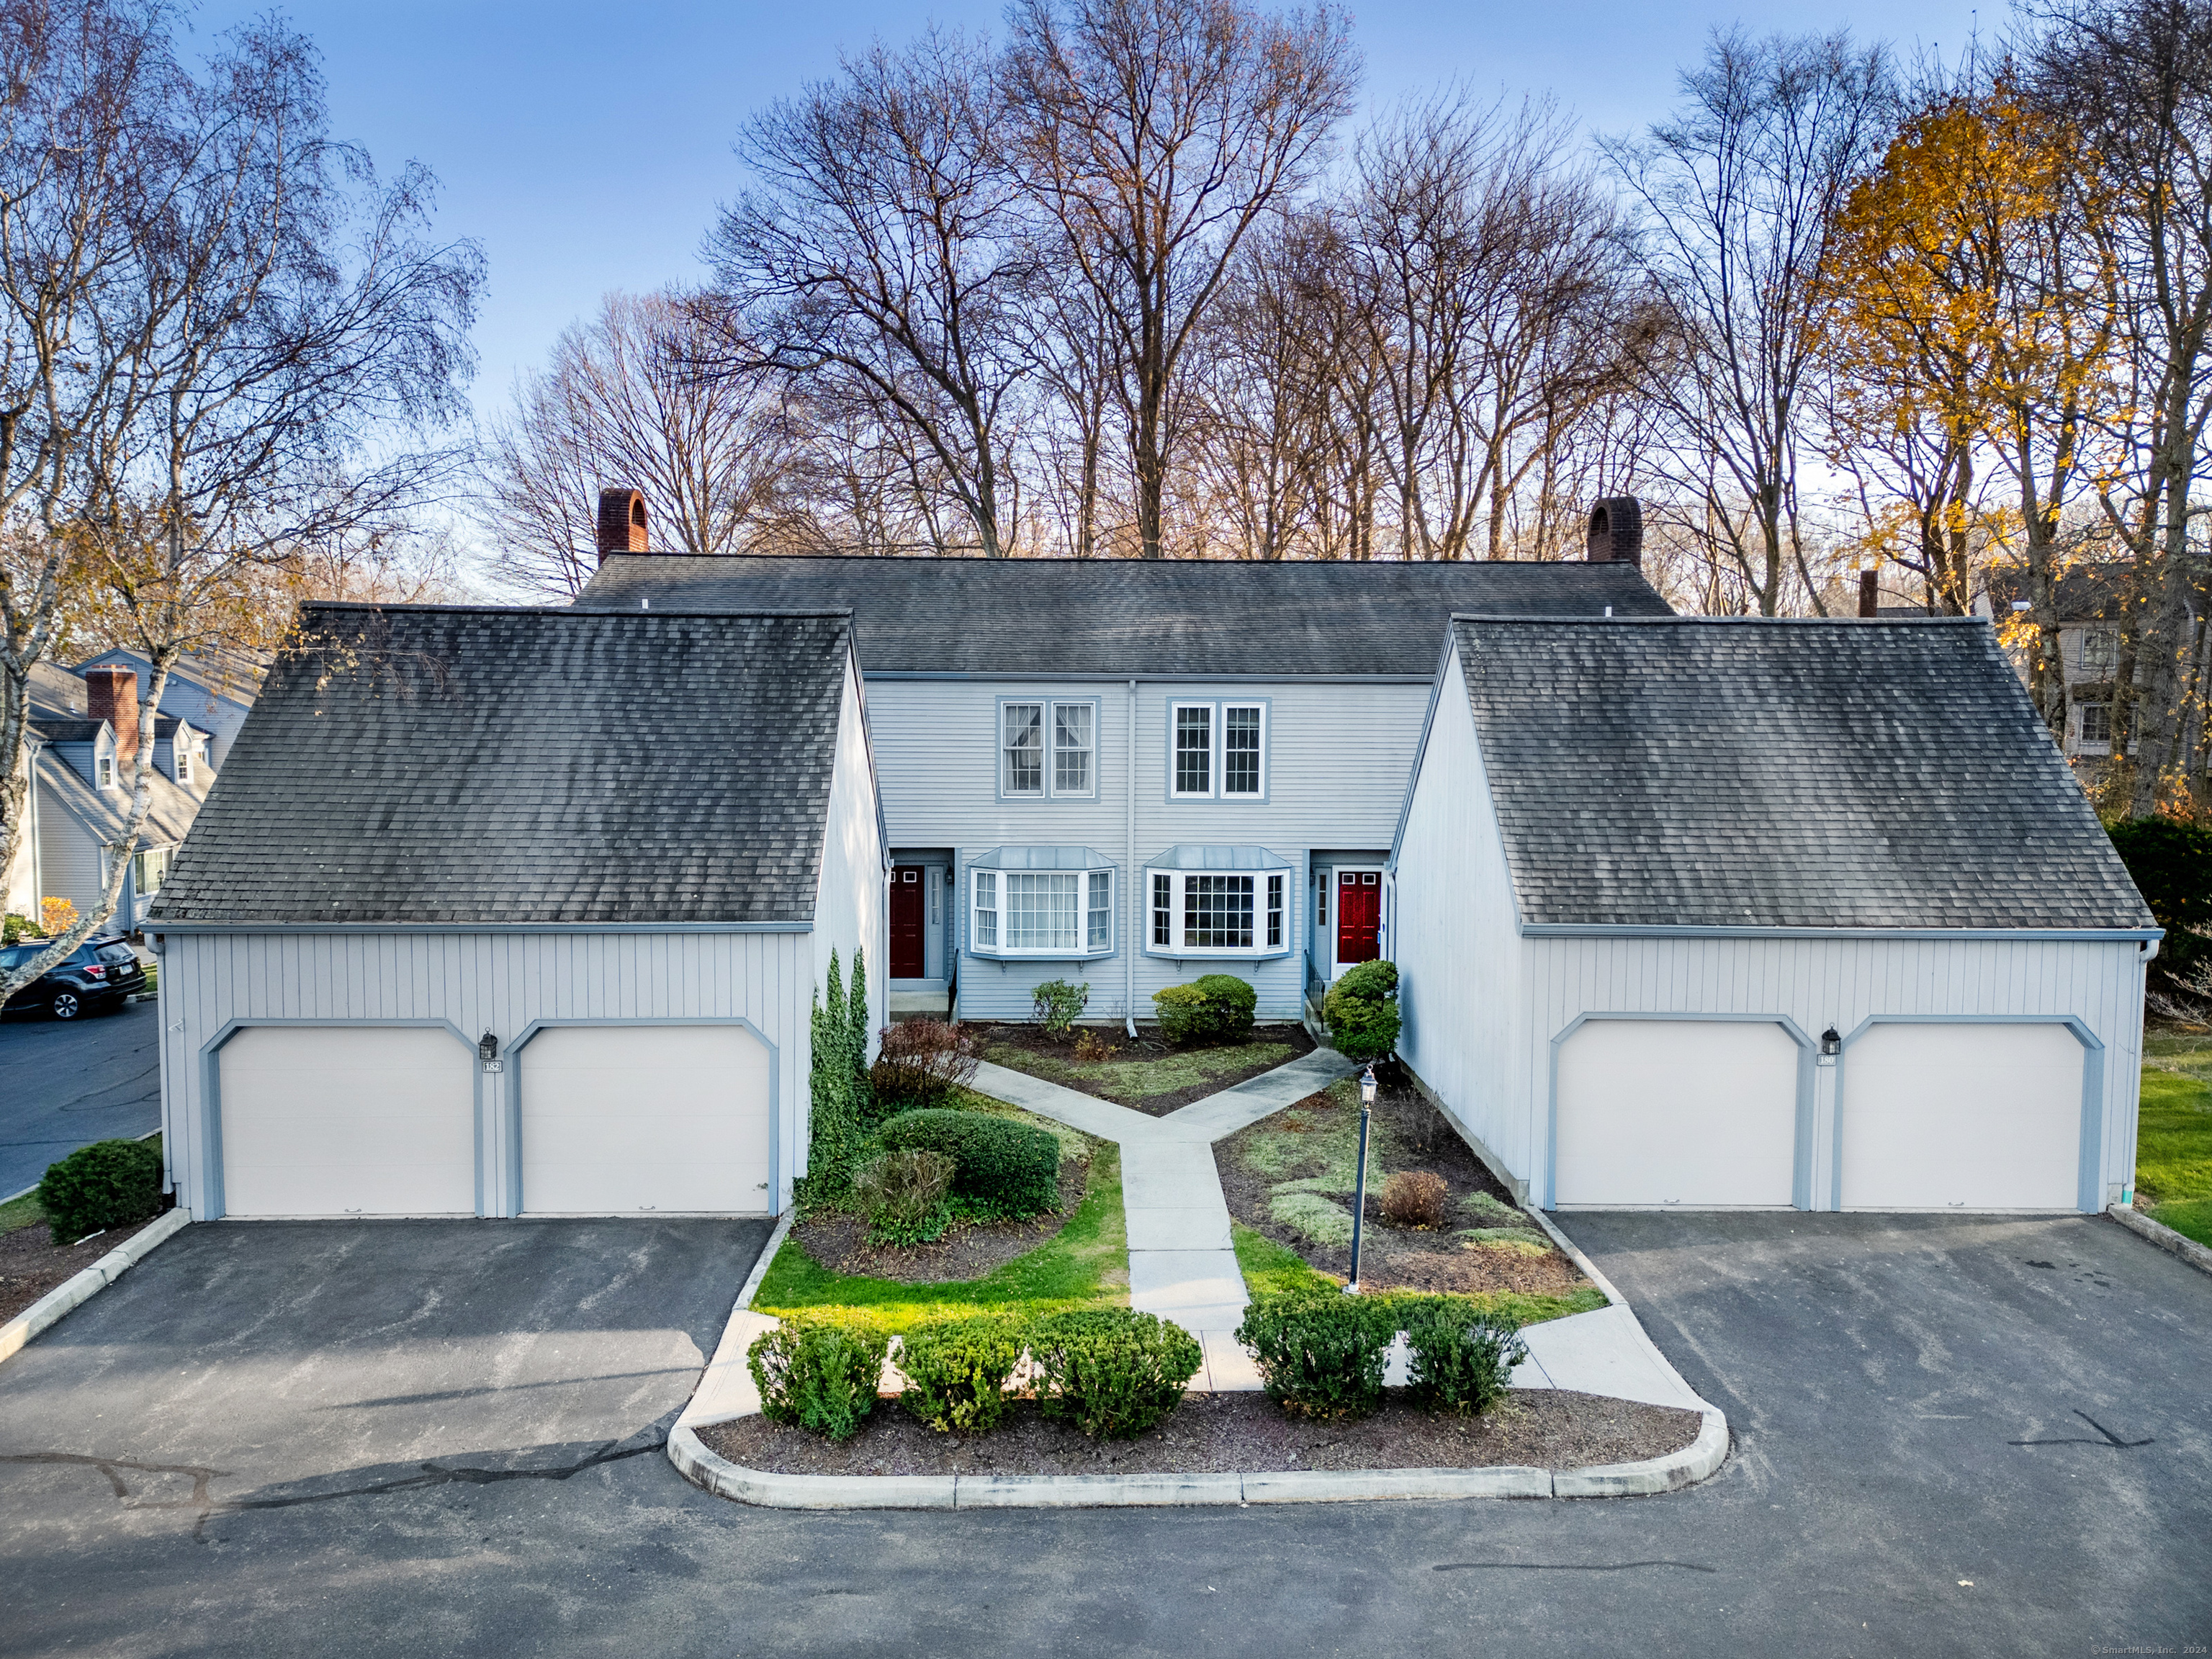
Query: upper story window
(184, 752)
(103, 768)
(1069, 771)
(2100, 653)
(1218, 750)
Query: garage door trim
(210, 1112)
(2090, 1188)
(513, 1116)
(1801, 1176)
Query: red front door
(1358, 915)
(909, 912)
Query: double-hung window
(2100, 653)
(1048, 749)
(2097, 724)
(1043, 913)
(1217, 751)
(1219, 913)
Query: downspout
(1129, 863)
(158, 945)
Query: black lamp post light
(1359, 1201)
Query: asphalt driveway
(66, 1083)
(437, 1439)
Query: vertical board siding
(851, 905)
(1339, 758)
(1819, 983)
(1457, 933)
(478, 981)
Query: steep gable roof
(1790, 773)
(1058, 619)
(445, 765)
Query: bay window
(1040, 912)
(1217, 903)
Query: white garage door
(348, 1120)
(1699, 1113)
(1962, 1117)
(620, 1118)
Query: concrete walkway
(1183, 1266)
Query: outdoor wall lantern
(488, 1051)
(1831, 1044)
(1359, 1199)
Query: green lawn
(1085, 1264)
(2173, 1136)
(1269, 1267)
(21, 1213)
(1132, 1077)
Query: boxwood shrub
(1001, 1168)
(1112, 1372)
(1362, 1010)
(1462, 1356)
(1212, 1008)
(955, 1371)
(820, 1370)
(1321, 1353)
(110, 1184)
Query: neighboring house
(19, 882)
(212, 690)
(1716, 913)
(1130, 773)
(84, 772)
(505, 912)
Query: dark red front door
(1359, 912)
(909, 912)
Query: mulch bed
(840, 1242)
(1394, 1258)
(30, 1266)
(1032, 1039)
(1232, 1434)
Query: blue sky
(585, 147)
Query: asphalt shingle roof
(1063, 617)
(449, 764)
(1785, 773)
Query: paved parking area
(273, 1440)
(66, 1083)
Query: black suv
(96, 976)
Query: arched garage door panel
(348, 1120)
(1699, 1113)
(617, 1119)
(1962, 1117)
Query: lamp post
(1359, 1199)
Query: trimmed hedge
(955, 1371)
(903, 1194)
(1112, 1372)
(1000, 1167)
(1361, 1010)
(1212, 1008)
(820, 1370)
(1320, 1352)
(110, 1184)
(1462, 1357)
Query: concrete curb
(90, 1283)
(1698, 1460)
(2164, 1236)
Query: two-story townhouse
(1127, 774)
(211, 690)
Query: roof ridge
(1814, 622)
(551, 611)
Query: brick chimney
(1616, 530)
(111, 695)
(1869, 595)
(622, 523)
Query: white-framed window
(1217, 751)
(1221, 913)
(2100, 653)
(103, 768)
(2097, 724)
(1048, 749)
(1043, 913)
(184, 753)
(148, 870)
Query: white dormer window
(103, 769)
(184, 763)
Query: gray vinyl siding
(1338, 762)
(1484, 1006)
(69, 860)
(499, 982)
